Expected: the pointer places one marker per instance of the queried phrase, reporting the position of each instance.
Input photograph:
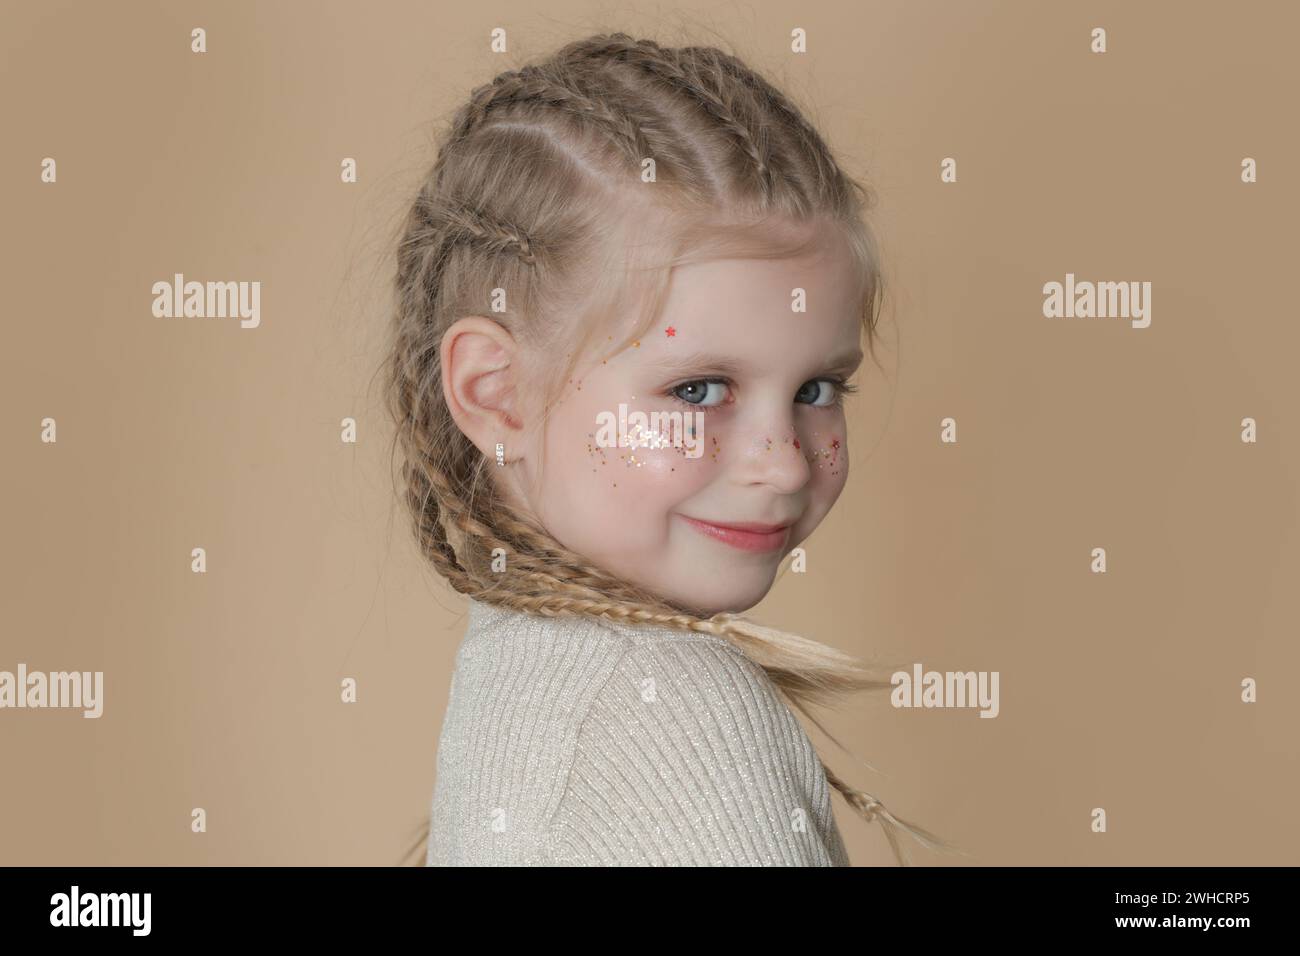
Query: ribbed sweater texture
(580, 742)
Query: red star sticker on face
(670, 331)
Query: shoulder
(687, 755)
(576, 740)
(522, 688)
(503, 647)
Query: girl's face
(762, 449)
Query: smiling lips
(745, 535)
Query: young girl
(623, 232)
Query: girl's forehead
(739, 344)
(746, 310)
(759, 297)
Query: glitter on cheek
(594, 450)
(826, 456)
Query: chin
(733, 600)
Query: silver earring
(501, 454)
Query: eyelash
(842, 387)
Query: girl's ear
(480, 381)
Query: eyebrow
(702, 362)
(708, 363)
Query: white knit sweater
(571, 741)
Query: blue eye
(823, 391)
(700, 391)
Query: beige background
(222, 690)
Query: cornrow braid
(810, 141)
(466, 221)
(533, 84)
(651, 58)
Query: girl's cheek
(681, 467)
(827, 453)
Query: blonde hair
(539, 190)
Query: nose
(770, 455)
